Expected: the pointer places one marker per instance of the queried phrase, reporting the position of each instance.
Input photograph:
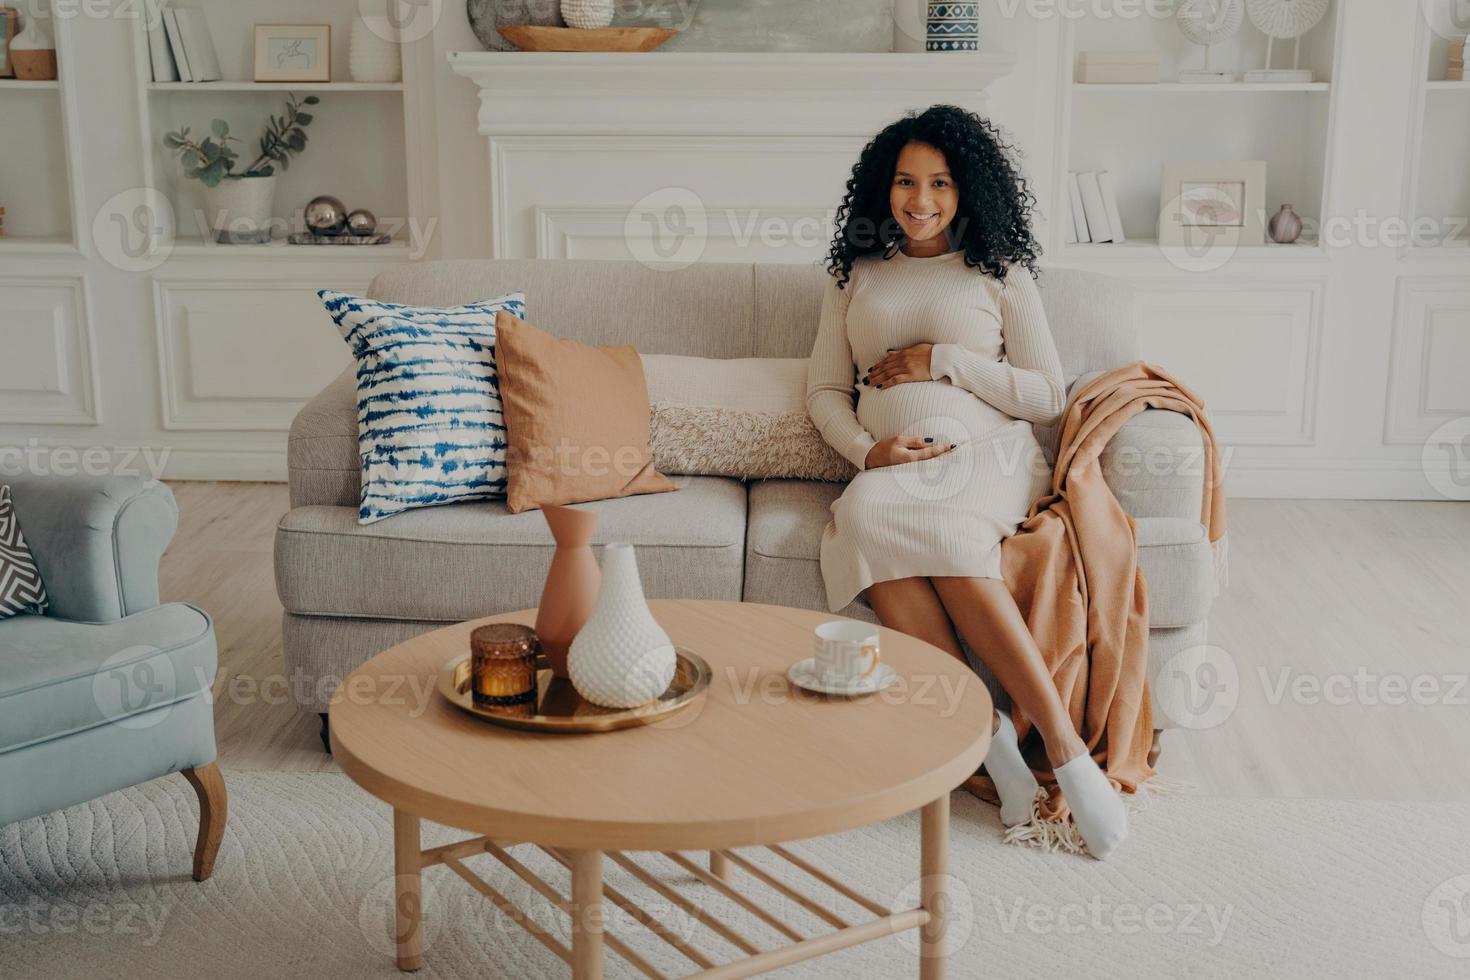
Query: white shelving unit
(357, 149)
(1438, 191)
(1131, 130)
(39, 146)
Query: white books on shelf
(1110, 202)
(1098, 226)
(176, 42)
(203, 59)
(1079, 215)
(159, 53)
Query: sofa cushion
(433, 564)
(59, 677)
(784, 547)
(21, 588)
(429, 423)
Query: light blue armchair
(109, 688)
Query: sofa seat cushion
(462, 561)
(58, 677)
(785, 544)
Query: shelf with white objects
(312, 88)
(1132, 130)
(1437, 194)
(1213, 88)
(39, 147)
(357, 146)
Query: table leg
(933, 887)
(587, 915)
(408, 902)
(719, 866)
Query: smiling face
(923, 198)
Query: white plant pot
(621, 657)
(587, 13)
(374, 54)
(239, 209)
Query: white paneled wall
(1325, 372)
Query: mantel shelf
(726, 93)
(199, 88)
(1214, 88)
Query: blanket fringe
(1063, 835)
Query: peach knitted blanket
(1073, 569)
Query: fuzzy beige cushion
(741, 417)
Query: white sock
(1101, 817)
(1013, 780)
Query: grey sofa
(350, 591)
(110, 688)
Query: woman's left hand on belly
(900, 366)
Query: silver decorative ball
(362, 222)
(326, 215)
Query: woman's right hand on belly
(904, 449)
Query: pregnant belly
(929, 408)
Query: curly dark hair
(992, 222)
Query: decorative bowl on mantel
(528, 37)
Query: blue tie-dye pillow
(429, 423)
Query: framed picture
(293, 52)
(1213, 203)
(9, 25)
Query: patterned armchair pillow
(430, 428)
(21, 588)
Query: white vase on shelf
(587, 14)
(374, 54)
(621, 657)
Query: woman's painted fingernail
(928, 438)
(953, 445)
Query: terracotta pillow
(576, 419)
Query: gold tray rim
(613, 721)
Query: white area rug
(1203, 888)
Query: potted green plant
(240, 203)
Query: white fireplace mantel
(709, 93)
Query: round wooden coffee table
(757, 762)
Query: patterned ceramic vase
(954, 27)
(570, 592)
(587, 13)
(621, 657)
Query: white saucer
(804, 674)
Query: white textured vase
(374, 54)
(621, 657)
(587, 13)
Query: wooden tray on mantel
(531, 38)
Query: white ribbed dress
(996, 371)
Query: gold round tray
(559, 708)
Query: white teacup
(846, 651)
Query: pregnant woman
(933, 321)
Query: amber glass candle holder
(503, 665)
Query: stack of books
(179, 44)
(1457, 61)
(1093, 216)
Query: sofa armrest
(96, 540)
(1155, 463)
(322, 464)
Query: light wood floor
(1331, 606)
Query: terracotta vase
(570, 592)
